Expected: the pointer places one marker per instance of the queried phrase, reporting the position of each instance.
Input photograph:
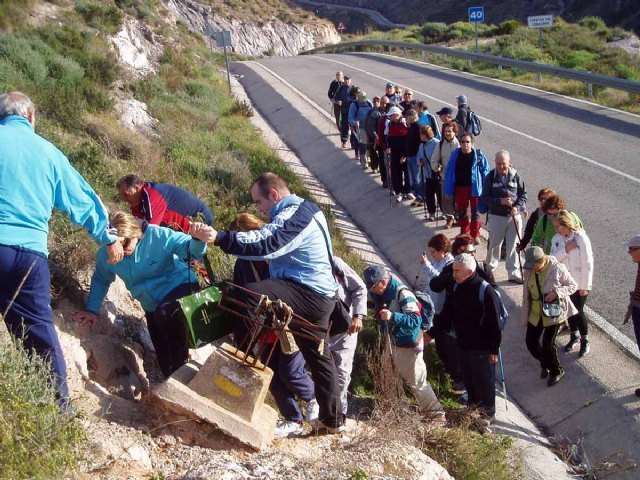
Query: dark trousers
(433, 194)
(399, 174)
(385, 166)
(479, 379)
(290, 379)
(344, 124)
(29, 318)
(336, 114)
(464, 200)
(635, 316)
(168, 330)
(579, 321)
(447, 349)
(376, 158)
(315, 308)
(546, 353)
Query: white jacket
(579, 261)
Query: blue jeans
(479, 379)
(30, 318)
(635, 315)
(415, 177)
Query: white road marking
(509, 129)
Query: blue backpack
(427, 310)
(503, 314)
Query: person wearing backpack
(357, 114)
(376, 153)
(505, 196)
(439, 162)
(475, 317)
(342, 98)
(463, 180)
(400, 316)
(426, 118)
(395, 133)
(462, 117)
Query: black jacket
(413, 140)
(476, 325)
(445, 281)
(531, 226)
(333, 88)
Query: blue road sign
(476, 14)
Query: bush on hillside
(507, 27)
(100, 15)
(36, 440)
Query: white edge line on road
(509, 129)
(618, 337)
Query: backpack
(427, 310)
(474, 125)
(503, 314)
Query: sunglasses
(633, 249)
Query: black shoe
(544, 373)
(553, 379)
(584, 348)
(637, 392)
(573, 341)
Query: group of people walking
(290, 257)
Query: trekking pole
(387, 162)
(504, 384)
(515, 224)
(394, 370)
(415, 282)
(424, 192)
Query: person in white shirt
(572, 247)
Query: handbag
(552, 310)
(340, 318)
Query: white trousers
(343, 349)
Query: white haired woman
(572, 247)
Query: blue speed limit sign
(476, 14)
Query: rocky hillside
(267, 27)
(623, 13)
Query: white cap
(395, 111)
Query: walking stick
(504, 384)
(515, 224)
(387, 161)
(424, 191)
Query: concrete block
(176, 395)
(230, 384)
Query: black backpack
(474, 125)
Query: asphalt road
(588, 153)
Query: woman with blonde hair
(155, 271)
(546, 305)
(572, 247)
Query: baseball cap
(634, 242)
(391, 85)
(445, 110)
(395, 111)
(461, 99)
(376, 98)
(532, 256)
(347, 77)
(362, 95)
(373, 274)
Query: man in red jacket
(162, 203)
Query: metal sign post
(540, 22)
(476, 15)
(223, 39)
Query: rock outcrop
(272, 37)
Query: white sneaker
(399, 198)
(322, 428)
(410, 196)
(287, 428)
(312, 410)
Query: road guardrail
(587, 77)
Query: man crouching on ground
(399, 314)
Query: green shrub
(99, 15)
(507, 27)
(626, 71)
(36, 440)
(578, 59)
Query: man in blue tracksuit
(35, 177)
(298, 247)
